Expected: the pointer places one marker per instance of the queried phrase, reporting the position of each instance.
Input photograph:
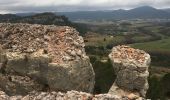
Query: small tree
(104, 39)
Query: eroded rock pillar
(131, 67)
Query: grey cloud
(75, 5)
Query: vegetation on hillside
(44, 19)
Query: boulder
(131, 67)
(52, 56)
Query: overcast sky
(13, 6)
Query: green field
(161, 45)
(103, 40)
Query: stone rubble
(69, 95)
(131, 67)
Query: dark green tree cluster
(46, 18)
(159, 89)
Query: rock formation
(39, 57)
(47, 62)
(131, 67)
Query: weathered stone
(43, 56)
(14, 84)
(131, 67)
(52, 58)
(58, 76)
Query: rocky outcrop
(43, 58)
(131, 67)
(40, 62)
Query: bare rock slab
(53, 56)
(131, 67)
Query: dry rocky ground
(36, 60)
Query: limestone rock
(53, 56)
(14, 84)
(131, 67)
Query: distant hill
(167, 10)
(8, 17)
(144, 12)
(41, 18)
(26, 14)
(45, 19)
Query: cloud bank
(13, 6)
